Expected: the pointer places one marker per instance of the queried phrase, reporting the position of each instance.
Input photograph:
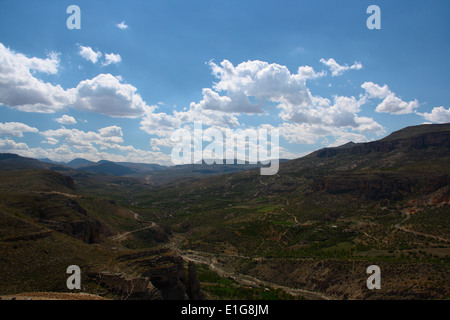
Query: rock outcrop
(379, 186)
(194, 290)
(127, 287)
(390, 143)
(166, 271)
(374, 187)
(70, 218)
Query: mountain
(142, 167)
(107, 167)
(79, 162)
(310, 231)
(323, 218)
(46, 225)
(10, 161)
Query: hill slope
(383, 202)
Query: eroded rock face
(194, 290)
(87, 230)
(375, 187)
(347, 279)
(379, 186)
(418, 142)
(137, 288)
(165, 270)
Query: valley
(192, 232)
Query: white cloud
(391, 103)
(307, 72)
(65, 119)
(235, 103)
(67, 152)
(51, 141)
(20, 89)
(112, 131)
(107, 137)
(49, 65)
(394, 105)
(438, 115)
(336, 69)
(375, 91)
(163, 124)
(155, 143)
(7, 145)
(305, 133)
(89, 54)
(341, 113)
(105, 144)
(111, 58)
(122, 25)
(259, 79)
(105, 94)
(244, 89)
(15, 129)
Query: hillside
(309, 231)
(384, 202)
(46, 225)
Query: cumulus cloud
(7, 145)
(336, 69)
(394, 105)
(438, 115)
(306, 133)
(66, 152)
(93, 56)
(106, 94)
(307, 72)
(20, 89)
(237, 102)
(89, 54)
(105, 137)
(246, 87)
(391, 103)
(122, 25)
(111, 58)
(374, 90)
(261, 80)
(112, 131)
(65, 119)
(341, 113)
(163, 124)
(104, 144)
(15, 129)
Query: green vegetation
(219, 288)
(384, 202)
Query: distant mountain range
(316, 225)
(130, 169)
(417, 137)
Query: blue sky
(311, 69)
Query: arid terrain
(308, 232)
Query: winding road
(136, 217)
(225, 270)
(408, 215)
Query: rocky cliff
(394, 141)
(165, 270)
